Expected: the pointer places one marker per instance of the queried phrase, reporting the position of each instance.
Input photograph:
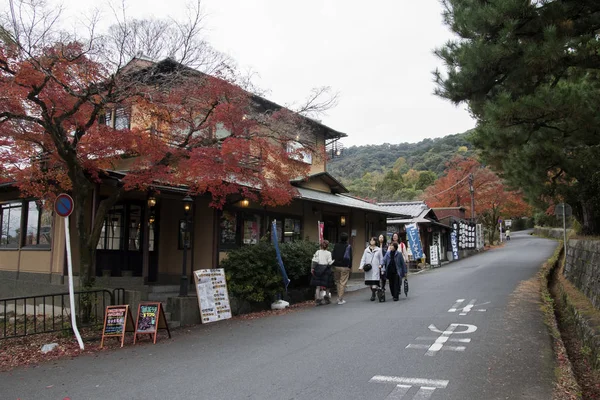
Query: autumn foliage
(493, 199)
(177, 126)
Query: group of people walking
(381, 263)
(384, 263)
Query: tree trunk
(590, 219)
(82, 198)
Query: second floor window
(118, 118)
(298, 152)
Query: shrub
(253, 274)
(296, 258)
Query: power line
(451, 187)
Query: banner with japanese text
(412, 234)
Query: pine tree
(529, 71)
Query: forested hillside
(389, 172)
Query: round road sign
(63, 205)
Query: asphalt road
(412, 349)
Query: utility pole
(457, 195)
(472, 190)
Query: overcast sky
(377, 54)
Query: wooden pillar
(145, 242)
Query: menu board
(117, 321)
(150, 319)
(213, 298)
(147, 317)
(228, 229)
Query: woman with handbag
(322, 274)
(382, 242)
(372, 265)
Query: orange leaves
(491, 194)
(176, 127)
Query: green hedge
(253, 274)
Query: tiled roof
(411, 208)
(344, 201)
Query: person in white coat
(373, 257)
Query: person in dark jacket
(322, 276)
(342, 263)
(384, 248)
(395, 269)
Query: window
(251, 229)
(291, 230)
(135, 220)
(228, 234)
(118, 118)
(10, 225)
(297, 152)
(112, 230)
(151, 237)
(288, 229)
(39, 224)
(221, 132)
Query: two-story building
(143, 235)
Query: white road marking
(468, 308)
(440, 343)
(400, 380)
(466, 340)
(455, 306)
(398, 392)
(424, 393)
(403, 386)
(426, 346)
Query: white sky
(377, 54)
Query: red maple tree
(70, 111)
(493, 200)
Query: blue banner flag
(286, 280)
(412, 234)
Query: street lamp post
(187, 207)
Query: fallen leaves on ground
(270, 313)
(26, 350)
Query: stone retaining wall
(554, 233)
(582, 268)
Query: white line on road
(400, 380)
(468, 307)
(426, 346)
(398, 392)
(440, 343)
(424, 393)
(455, 306)
(466, 340)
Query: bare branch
(319, 101)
